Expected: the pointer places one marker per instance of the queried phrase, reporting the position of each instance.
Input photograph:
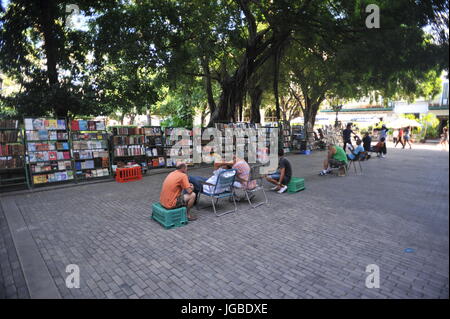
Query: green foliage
(175, 58)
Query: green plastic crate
(169, 218)
(296, 184)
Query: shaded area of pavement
(312, 244)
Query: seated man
(198, 181)
(379, 147)
(282, 176)
(367, 141)
(336, 158)
(177, 191)
(242, 174)
(358, 151)
(242, 180)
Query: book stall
(90, 149)
(127, 147)
(154, 147)
(12, 156)
(48, 151)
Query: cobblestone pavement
(312, 244)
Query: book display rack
(286, 137)
(128, 147)
(154, 147)
(12, 156)
(48, 151)
(172, 162)
(90, 149)
(298, 138)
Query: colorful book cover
(52, 125)
(100, 126)
(53, 135)
(74, 125)
(66, 155)
(43, 135)
(78, 166)
(61, 124)
(91, 125)
(83, 125)
(32, 157)
(38, 124)
(52, 156)
(39, 179)
(29, 124)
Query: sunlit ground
(422, 146)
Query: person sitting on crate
(282, 176)
(177, 191)
(336, 158)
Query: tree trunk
(255, 97)
(227, 104)
(47, 24)
(208, 85)
(276, 73)
(234, 88)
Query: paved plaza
(313, 244)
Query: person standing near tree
(347, 135)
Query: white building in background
(364, 113)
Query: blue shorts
(276, 176)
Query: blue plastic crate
(169, 218)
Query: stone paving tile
(313, 244)
(12, 281)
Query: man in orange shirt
(172, 195)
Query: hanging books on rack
(127, 145)
(12, 156)
(90, 149)
(48, 150)
(154, 149)
(171, 158)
